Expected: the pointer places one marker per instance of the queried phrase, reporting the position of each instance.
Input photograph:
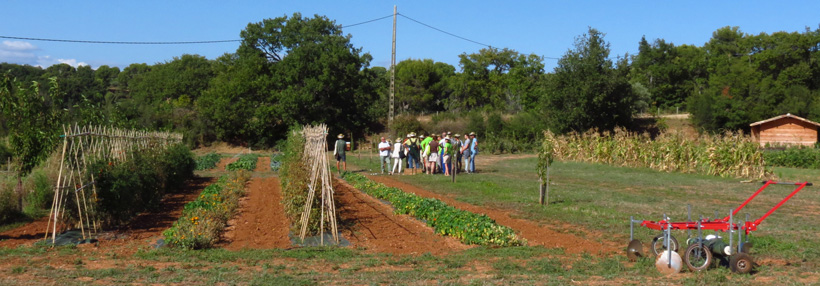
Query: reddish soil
(151, 224)
(262, 164)
(24, 235)
(534, 233)
(261, 222)
(223, 162)
(369, 223)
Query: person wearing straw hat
(412, 149)
(456, 161)
(398, 152)
(339, 152)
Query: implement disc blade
(634, 250)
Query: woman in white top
(398, 150)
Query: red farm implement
(702, 251)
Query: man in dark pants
(339, 152)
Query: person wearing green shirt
(339, 152)
(447, 153)
(423, 144)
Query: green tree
(500, 79)
(33, 134)
(588, 90)
(290, 70)
(422, 85)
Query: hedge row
(207, 162)
(245, 162)
(127, 188)
(204, 219)
(470, 228)
(797, 157)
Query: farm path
(534, 233)
(223, 162)
(367, 222)
(261, 222)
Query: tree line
(296, 70)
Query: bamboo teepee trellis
(315, 158)
(82, 146)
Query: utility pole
(392, 75)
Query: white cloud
(17, 46)
(20, 52)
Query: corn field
(731, 154)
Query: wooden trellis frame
(83, 145)
(315, 157)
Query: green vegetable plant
(470, 228)
(206, 162)
(245, 162)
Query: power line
(445, 32)
(155, 43)
(368, 21)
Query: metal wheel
(697, 257)
(741, 263)
(634, 250)
(659, 245)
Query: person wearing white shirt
(384, 154)
(397, 154)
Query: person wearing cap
(465, 152)
(384, 154)
(339, 152)
(473, 151)
(397, 154)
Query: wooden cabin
(785, 129)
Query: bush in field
(727, 155)
(797, 157)
(295, 179)
(8, 205)
(42, 190)
(405, 124)
(207, 162)
(204, 219)
(245, 162)
(127, 188)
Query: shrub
(246, 162)
(127, 188)
(206, 162)
(42, 190)
(797, 157)
(405, 124)
(8, 205)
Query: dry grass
(727, 155)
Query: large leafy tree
(501, 79)
(422, 85)
(588, 90)
(289, 70)
(34, 132)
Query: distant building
(785, 129)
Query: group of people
(430, 154)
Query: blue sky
(545, 28)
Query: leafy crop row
(727, 155)
(245, 162)
(206, 162)
(470, 228)
(205, 218)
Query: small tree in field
(31, 123)
(545, 158)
